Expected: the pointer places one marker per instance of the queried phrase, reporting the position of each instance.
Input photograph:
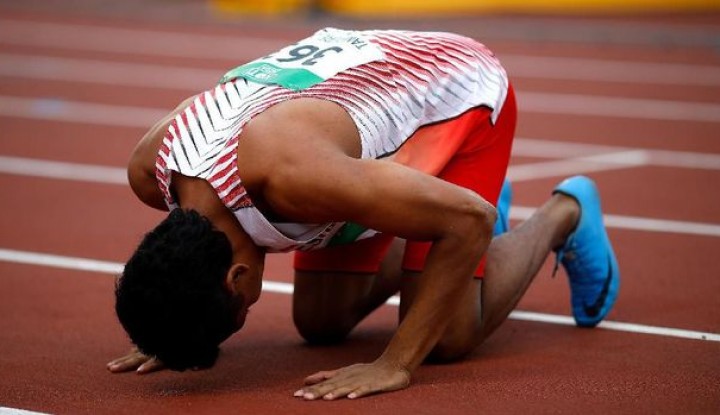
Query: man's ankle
(567, 211)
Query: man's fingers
(337, 393)
(330, 391)
(317, 391)
(126, 363)
(122, 359)
(132, 361)
(150, 366)
(366, 390)
(116, 362)
(317, 385)
(320, 376)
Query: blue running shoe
(588, 257)
(502, 224)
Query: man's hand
(135, 360)
(354, 382)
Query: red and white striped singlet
(414, 79)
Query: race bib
(310, 61)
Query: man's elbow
(145, 188)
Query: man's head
(176, 298)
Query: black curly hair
(171, 298)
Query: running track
(633, 103)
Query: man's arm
(141, 166)
(319, 183)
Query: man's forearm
(447, 273)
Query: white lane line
(616, 158)
(80, 112)
(532, 147)
(59, 261)
(242, 47)
(616, 107)
(617, 326)
(661, 225)
(63, 170)
(589, 164)
(638, 223)
(13, 411)
(684, 159)
(91, 265)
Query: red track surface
(57, 326)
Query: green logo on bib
(266, 73)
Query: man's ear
(233, 279)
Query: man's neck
(197, 194)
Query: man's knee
(460, 339)
(327, 306)
(320, 328)
(451, 350)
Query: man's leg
(328, 305)
(513, 260)
(469, 151)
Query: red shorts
(467, 150)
